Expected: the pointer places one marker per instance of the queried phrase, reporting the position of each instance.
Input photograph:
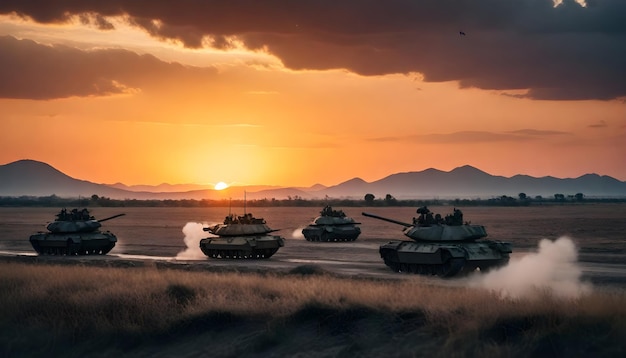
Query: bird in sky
(461, 33)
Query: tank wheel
(424, 270)
(451, 267)
(71, 250)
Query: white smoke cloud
(554, 268)
(193, 234)
(297, 233)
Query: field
(314, 299)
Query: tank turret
(241, 237)
(80, 225)
(437, 231)
(74, 233)
(332, 225)
(240, 226)
(442, 246)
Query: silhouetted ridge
(468, 170)
(33, 178)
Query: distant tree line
(368, 200)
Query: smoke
(193, 234)
(297, 233)
(554, 269)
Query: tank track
(71, 249)
(239, 254)
(323, 238)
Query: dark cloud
(564, 53)
(34, 71)
(96, 19)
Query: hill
(33, 178)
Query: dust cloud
(297, 234)
(193, 234)
(553, 269)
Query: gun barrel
(387, 219)
(111, 217)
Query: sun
(221, 185)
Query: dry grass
(103, 311)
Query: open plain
(155, 294)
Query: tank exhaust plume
(193, 234)
(297, 234)
(553, 268)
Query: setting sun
(221, 185)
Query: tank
(241, 237)
(332, 225)
(442, 247)
(74, 233)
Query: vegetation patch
(58, 310)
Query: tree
(369, 198)
(390, 200)
(95, 197)
(579, 196)
(559, 197)
(522, 196)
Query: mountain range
(34, 178)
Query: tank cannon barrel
(111, 217)
(387, 219)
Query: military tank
(241, 237)
(332, 225)
(74, 233)
(442, 247)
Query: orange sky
(170, 112)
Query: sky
(295, 93)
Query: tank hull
(70, 244)
(241, 247)
(444, 259)
(331, 233)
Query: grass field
(54, 310)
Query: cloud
(29, 70)
(471, 137)
(600, 124)
(567, 52)
(536, 132)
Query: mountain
(470, 182)
(33, 178)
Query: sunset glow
(290, 96)
(221, 185)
